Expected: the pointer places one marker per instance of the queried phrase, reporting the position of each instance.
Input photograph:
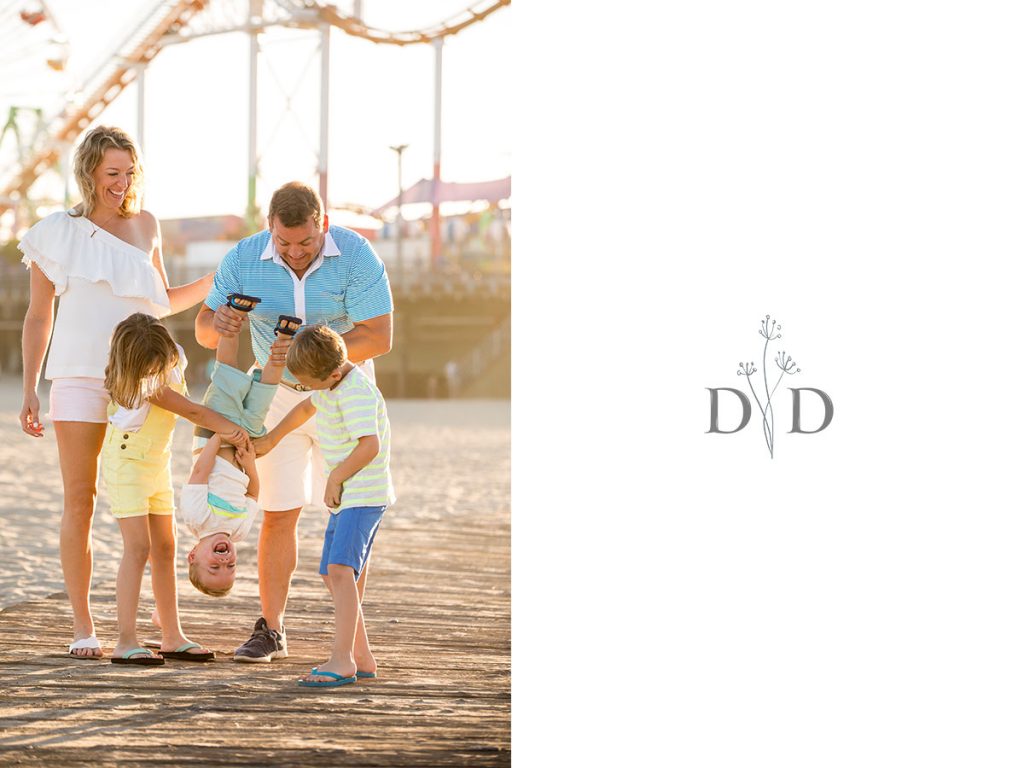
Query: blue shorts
(349, 538)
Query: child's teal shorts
(239, 397)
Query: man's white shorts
(292, 475)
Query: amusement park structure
(172, 22)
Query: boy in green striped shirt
(355, 439)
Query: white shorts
(78, 398)
(292, 475)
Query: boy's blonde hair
(140, 348)
(193, 576)
(89, 155)
(317, 351)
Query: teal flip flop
(335, 682)
(182, 653)
(149, 660)
(366, 675)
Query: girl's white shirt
(132, 419)
(100, 280)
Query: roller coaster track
(450, 26)
(178, 21)
(141, 45)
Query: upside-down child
(145, 378)
(355, 437)
(219, 501)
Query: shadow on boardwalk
(438, 615)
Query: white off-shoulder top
(100, 280)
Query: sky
(195, 143)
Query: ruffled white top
(100, 279)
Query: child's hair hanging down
(141, 352)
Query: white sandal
(90, 643)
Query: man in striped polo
(325, 275)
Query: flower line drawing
(786, 366)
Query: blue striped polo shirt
(345, 284)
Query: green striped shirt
(354, 409)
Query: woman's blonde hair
(317, 351)
(89, 155)
(140, 349)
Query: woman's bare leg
(78, 444)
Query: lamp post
(399, 149)
(400, 331)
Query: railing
(462, 373)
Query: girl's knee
(162, 550)
(137, 554)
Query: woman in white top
(103, 259)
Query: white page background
(857, 171)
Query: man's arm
(370, 338)
(210, 325)
(369, 304)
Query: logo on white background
(763, 389)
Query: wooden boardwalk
(438, 616)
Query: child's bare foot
(170, 643)
(129, 648)
(345, 669)
(366, 663)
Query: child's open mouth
(221, 548)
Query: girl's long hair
(141, 349)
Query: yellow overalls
(137, 465)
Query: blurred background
(396, 110)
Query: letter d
(829, 410)
(714, 410)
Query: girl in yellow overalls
(145, 378)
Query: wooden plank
(438, 616)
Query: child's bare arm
(247, 458)
(200, 415)
(204, 461)
(295, 418)
(365, 451)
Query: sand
(450, 460)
